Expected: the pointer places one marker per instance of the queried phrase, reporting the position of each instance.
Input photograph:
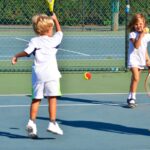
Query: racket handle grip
(51, 13)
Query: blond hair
(134, 20)
(42, 23)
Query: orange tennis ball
(87, 75)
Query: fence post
(83, 14)
(127, 10)
(115, 15)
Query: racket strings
(147, 85)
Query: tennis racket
(147, 83)
(50, 4)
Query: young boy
(45, 73)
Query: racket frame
(146, 82)
(50, 7)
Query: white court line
(75, 104)
(74, 94)
(71, 105)
(59, 105)
(21, 39)
(101, 36)
(79, 53)
(74, 52)
(70, 94)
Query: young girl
(137, 53)
(45, 73)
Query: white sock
(134, 95)
(130, 95)
(30, 122)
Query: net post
(127, 10)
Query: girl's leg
(133, 87)
(134, 81)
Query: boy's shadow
(17, 136)
(90, 101)
(11, 135)
(103, 126)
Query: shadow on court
(90, 101)
(12, 135)
(17, 136)
(103, 126)
(108, 127)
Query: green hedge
(70, 12)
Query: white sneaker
(54, 128)
(31, 129)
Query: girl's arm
(15, 58)
(147, 58)
(137, 42)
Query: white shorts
(49, 88)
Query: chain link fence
(94, 32)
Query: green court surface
(108, 82)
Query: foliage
(70, 12)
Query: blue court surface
(89, 121)
(91, 47)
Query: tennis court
(92, 113)
(89, 121)
(96, 119)
(95, 51)
(93, 46)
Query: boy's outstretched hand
(14, 60)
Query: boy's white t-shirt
(44, 49)
(137, 57)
